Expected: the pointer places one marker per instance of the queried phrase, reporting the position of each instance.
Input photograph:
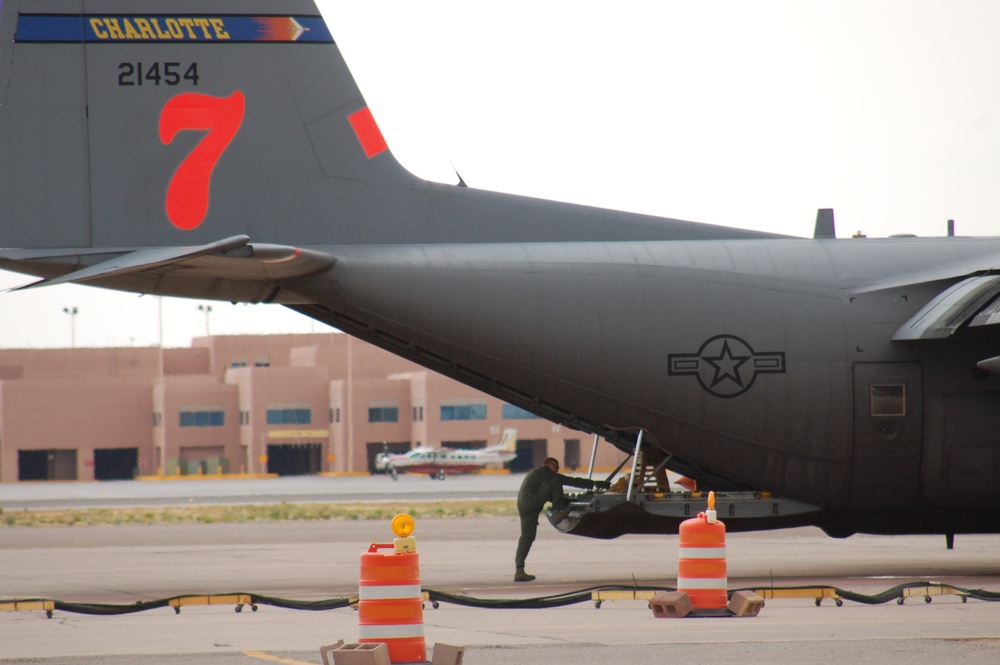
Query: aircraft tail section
(508, 442)
(180, 123)
(186, 124)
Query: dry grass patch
(257, 513)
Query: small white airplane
(438, 462)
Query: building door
(32, 465)
(530, 454)
(115, 463)
(294, 459)
(46, 465)
(888, 434)
(571, 460)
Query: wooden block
(745, 604)
(447, 654)
(670, 604)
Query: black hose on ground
(538, 602)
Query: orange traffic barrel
(701, 567)
(390, 603)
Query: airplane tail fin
(508, 442)
(180, 124)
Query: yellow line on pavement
(267, 656)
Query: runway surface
(320, 560)
(38, 495)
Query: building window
(157, 419)
(511, 412)
(888, 400)
(418, 414)
(383, 414)
(463, 412)
(203, 418)
(238, 362)
(262, 361)
(289, 416)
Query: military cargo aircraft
(439, 462)
(216, 150)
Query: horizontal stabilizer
(952, 308)
(141, 260)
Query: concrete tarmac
(320, 560)
(293, 489)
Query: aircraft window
(888, 400)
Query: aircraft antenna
(461, 180)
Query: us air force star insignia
(725, 365)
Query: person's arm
(582, 483)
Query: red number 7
(187, 195)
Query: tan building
(286, 404)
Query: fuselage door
(888, 434)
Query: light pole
(72, 311)
(207, 309)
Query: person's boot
(558, 516)
(521, 576)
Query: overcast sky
(746, 113)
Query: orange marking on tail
(368, 133)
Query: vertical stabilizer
(825, 228)
(179, 123)
(508, 442)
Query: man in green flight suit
(541, 485)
